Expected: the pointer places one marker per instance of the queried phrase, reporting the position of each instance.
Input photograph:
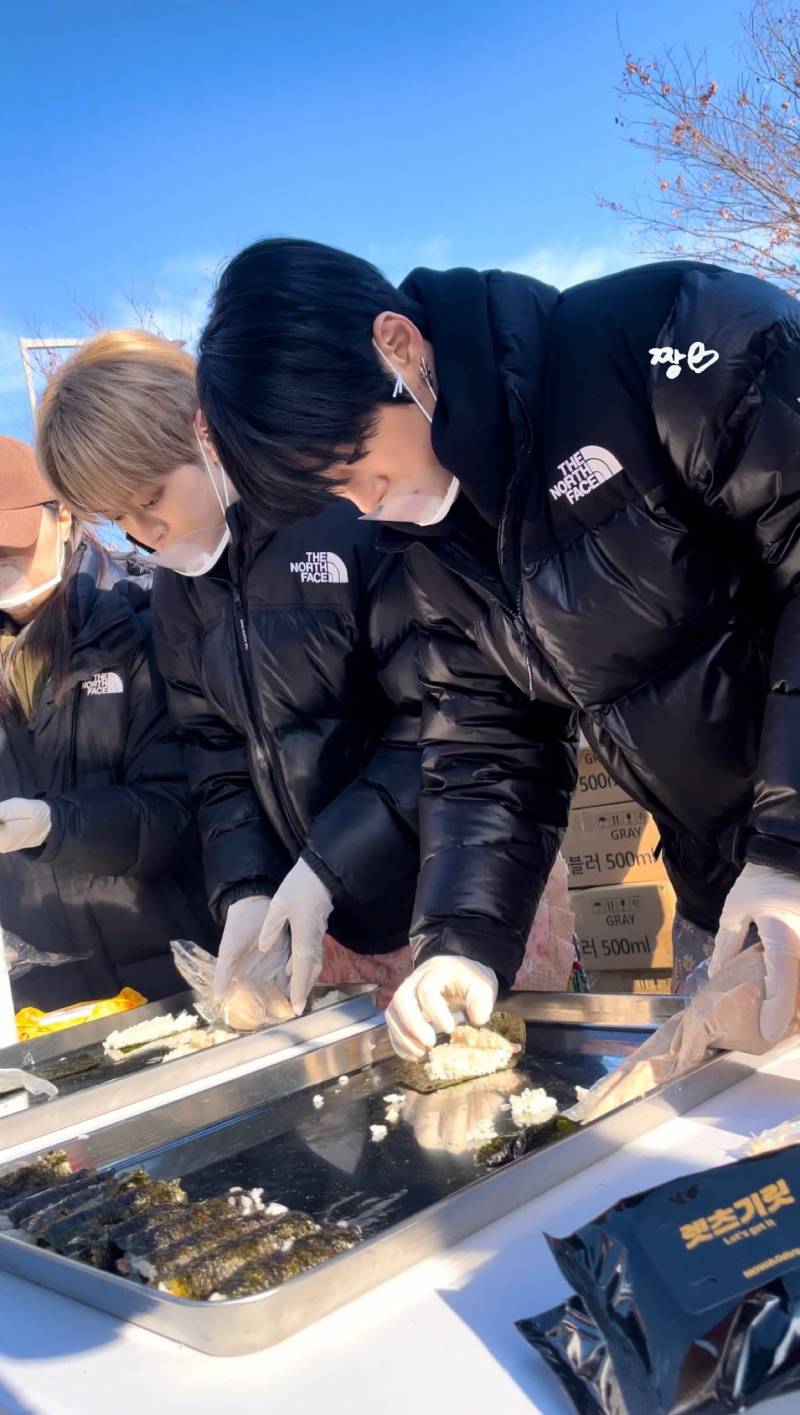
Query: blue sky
(141, 144)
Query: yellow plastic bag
(31, 1022)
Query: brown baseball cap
(23, 492)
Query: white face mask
(16, 587)
(198, 552)
(414, 507)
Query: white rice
(154, 1030)
(328, 1000)
(532, 1107)
(453, 1062)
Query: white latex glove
(23, 824)
(421, 1007)
(299, 915)
(240, 936)
(770, 899)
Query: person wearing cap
(95, 819)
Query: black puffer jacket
(291, 673)
(115, 880)
(626, 553)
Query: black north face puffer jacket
(626, 555)
(291, 672)
(117, 877)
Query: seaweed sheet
(414, 1075)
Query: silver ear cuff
(427, 374)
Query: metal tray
(98, 1092)
(412, 1202)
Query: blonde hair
(116, 418)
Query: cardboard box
(595, 787)
(611, 845)
(625, 930)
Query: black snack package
(571, 1343)
(695, 1289)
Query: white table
(437, 1338)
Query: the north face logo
(321, 567)
(102, 684)
(583, 472)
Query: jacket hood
(486, 328)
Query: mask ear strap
(223, 505)
(402, 387)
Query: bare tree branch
(731, 189)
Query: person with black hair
(98, 856)
(597, 495)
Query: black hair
(287, 375)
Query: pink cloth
(546, 966)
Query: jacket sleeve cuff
(777, 854)
(331, 881)
(48, 851)
(246, 890)
(503, 954)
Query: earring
(399, 387)
(427, 374)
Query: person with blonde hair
(96, 855)
(290, 663)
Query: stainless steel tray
(88, 1095)
(412, 1203)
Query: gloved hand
(723, 1015)
(451, 1119)
(770, 899)
(421, 1006)
(298, 916)
(23, 824)
(240, 937)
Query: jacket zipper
(271, 757)
(73, 741)
(518, 611)
(516, 614)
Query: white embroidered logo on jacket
(102, 684)
(320, 567)
(585, 470)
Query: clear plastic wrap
(723, 1015)
(21, 957)
(249, 1001)
(13, 1079)
(776, 1138)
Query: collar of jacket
(249, 535)
(488, 331)
(100, 596)
(247, 530)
